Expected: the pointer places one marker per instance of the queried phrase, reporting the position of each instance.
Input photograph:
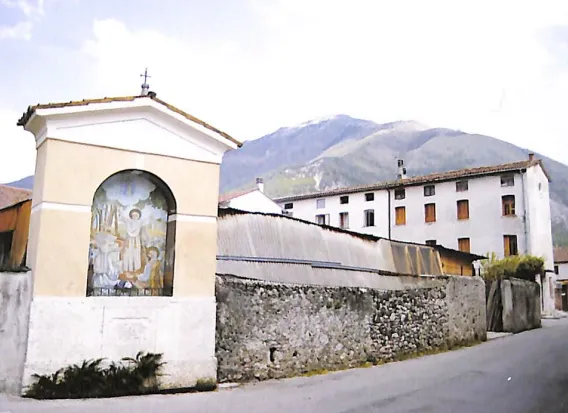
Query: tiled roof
(425, 179)
(560, 254)
(235, 194)
(31, 109)
(10, 196)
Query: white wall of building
(485, 227)
(562, 271)
(307, 209)
(255, 201)
(539, 219)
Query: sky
(248, 67)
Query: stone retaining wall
(271, 330)
(15, 298)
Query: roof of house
(368, 237)
(10, 196)
(235, 194)
(424, 179)
(561, 255)
(31, 110)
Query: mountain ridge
(339, 150)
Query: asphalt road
(524, 373)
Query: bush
(137, 375)
(517, 266)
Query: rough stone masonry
(271, 330)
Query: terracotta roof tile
(560, 254)
(419, 180)
(10, 195)
(235, 194)
(31, 110)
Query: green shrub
(517, 266)
(203, 385)
(137, 375)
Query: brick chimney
(531, 156)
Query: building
(15, 209)
(122, 240)
(252, 200)
(503, 209)
(561, 271)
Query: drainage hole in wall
(272, 351)
(295, 354)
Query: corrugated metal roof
(10, 196)
(31, 110)
(368, 237)
(419, 180)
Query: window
(322, 219)
(370, 218)
(508, 202)
(344, 220)
(320, 203)
(462, 186)
(510, 242)
(399, 193)
(463, 209)
(463, 244)
(370, 197)
(431, 242)
(556, 269)
(429, 190)
(289, 205)
(400, 214)
(508, 180)
(344, 199)
(430, 213)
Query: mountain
(25, 183)
(341, 151)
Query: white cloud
(21, 30)
(17, 153)
(32, 10)
(476, 66)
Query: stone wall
(273, 330)
(521, 305)
(15, 298)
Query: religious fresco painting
(128, 237)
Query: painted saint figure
(132, 250)
(152, 275)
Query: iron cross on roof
(145, 75)
(145, 86)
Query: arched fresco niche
(131, 250)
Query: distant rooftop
(10, 196)
(235, 194)
(424, 179)
(560, 255)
